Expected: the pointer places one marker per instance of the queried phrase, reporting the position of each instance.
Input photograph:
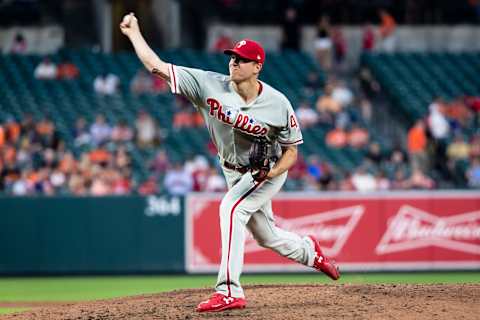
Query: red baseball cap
(248, 49)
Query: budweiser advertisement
(389, 231)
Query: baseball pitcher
(256, 133)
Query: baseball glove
(259, 158)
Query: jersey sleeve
(290, 134)
(187, 82)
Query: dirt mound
(388, 301)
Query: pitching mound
(286, 302)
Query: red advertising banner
(390, 231)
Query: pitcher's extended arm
(151, 61)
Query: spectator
(146, 130)
(27, 125)
(178, 181)
(366, 110)
(363, 181)
(374, 154)
(397, 162)
(106, 84)
(417, 145)
(100, 131)
(439, 128)
(313, 167)
(382, 181)
(122, 159)
(475, 146)
(81, 134)
(77, 185)
(215, 182)
(67, 71)
(339, 46)
(306, 115)
(388, 26)
(291, 31)
(100, 156)
(67, 163)
(21, 186)
(183, 119)
(24, 158)
(121, 182)
(223, 42)
(437, 122)
(400, 182)
(142, 83)
(342, 94)
(57, 180)
(19, 45)
(336, 138)
(473, 173)
(345, 183)
(101, 184)
(474, 104)
(459, 149)
(298, 170)
(368, 38)
(148, 187)
(418, 180)
(326, 104)
(342, 119)
(46, 70)
(459, 113)
(358, 137)
(12, 130)
(323, 43)
(198, 169)
(160, 163)
(3, 135)
(46, 133)
(121, 132)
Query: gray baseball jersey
(270, 114)
(233, 124)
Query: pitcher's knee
(228, 210)
(225, 207)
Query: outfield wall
(363, 232)
(73, 235)
(125, 235)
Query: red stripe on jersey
(174, 79)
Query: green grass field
(93, 288)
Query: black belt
(231, 166)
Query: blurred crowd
(35, 160)
(447, 140)
(444, 145)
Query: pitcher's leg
(288, 244)
(304, 250)
(234, 214)
(238, 205)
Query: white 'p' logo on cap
(241, 43)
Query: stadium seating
(413, 80)
(64, 101)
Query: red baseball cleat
(322, 263)
(219, 302)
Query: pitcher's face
(242, 69)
